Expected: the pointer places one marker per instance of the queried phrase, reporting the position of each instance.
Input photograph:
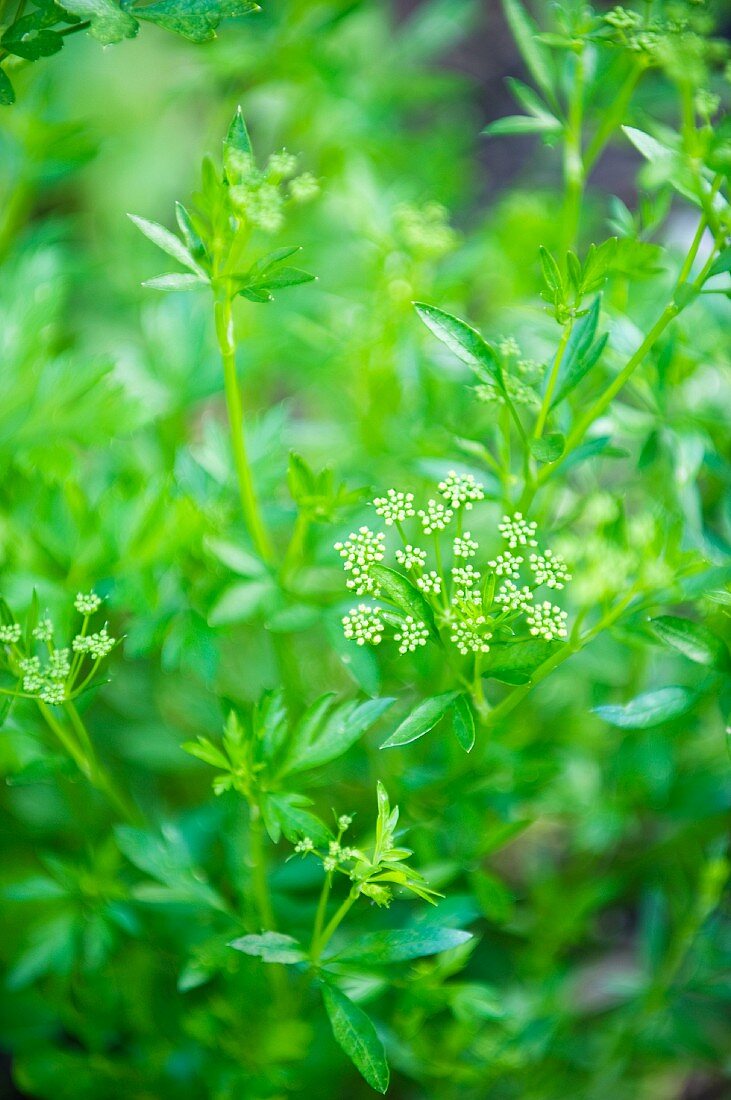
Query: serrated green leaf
(271, 947)
(288, 814)
(195, 20)
(650, 709)
(29, 39)
(109, 23)
(355, 1033)
(400, 945)
(241, 602)
(694, 641)
(463, 722)
(421, 720)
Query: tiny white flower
(363, 625)
(513, 598)
(10, 633)
(547, 621)
(430, 582)
(469, 640)
(507, 565)
(465, 578)
(395, 507)
(344, 822)
(517, 531)
(87, 603)
(44, 631)
(461, 489)
(412, 634)
(436, 517)
(411, 557)
(304, 846)
(464, 546)
(549, 569)
(362, 549)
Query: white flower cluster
(549, 569)
(48, 683)
(464, 546)
(430, 582)
(517, 531)
(305, 845)
(96, 645)
(466, 578)
(412, 634)
(44, 630)
(86, 603)
(363, 624)
(411, 557)
(436, 517)
(507, 565)
(395, 507)
(362, 549)
(513, 598)
(467, 639)
(336, 854)
(547, 621)
(461, 489)
(10, 633)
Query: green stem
(293, 555)
(227, 347)
(611, 118)
(333, 925)
(552, 379)
(259, 875)
(573, 157)
(321, 914)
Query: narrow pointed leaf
(650, 709)
(355, 1033)
(421, 720)
(168, 242)
(463, 722)
(694, 641)
(271, 947)
(400, 945)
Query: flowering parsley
(395, 507)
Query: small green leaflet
(322, 741)
(288, 814)
(109, 23)
(522, 124)
(195, 20)
(7, 93)
(535, 55)
(694, 641)
(421, 720)
(465, 341)
(400, 945)
(463, 723)
(355, 1033)
(548, 448)
(404, 595)
(650, 709)
(271, 947)
(169, 243)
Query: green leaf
(528, 99)
(421, 720)
(240, 603)
(551, 271)
(174, 281)
(650, 709)
(578, 369)
(281, 277)
(537, 59)
(721, 264)
(236, 147)
(522, 124)
(400, 945)
(271, 947)
(341, 729)
(548, 448)
(166, 857)
(195, 20)
(7, 92)
(28, 38)
(403, 594)
(463, 722)
(355, 1033)
(168, 242)
(287, 813)
(109, 23)
(694, 641)
(465, 341)
(515, 662)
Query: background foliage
(583, 840)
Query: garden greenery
(449, 527)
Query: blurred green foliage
(583, 842)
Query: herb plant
(364, 670)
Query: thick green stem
(227, 346)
